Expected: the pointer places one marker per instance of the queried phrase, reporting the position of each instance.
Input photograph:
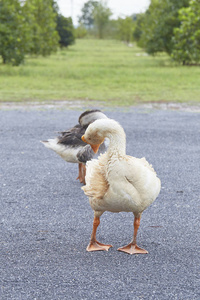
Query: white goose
(70, 146)
(117, 182)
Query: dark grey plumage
(87, 153)
(70, 146)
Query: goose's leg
(133, 248)
(80, 176)
(83, 173)
(94, 245)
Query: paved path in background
(46, 220)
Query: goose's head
(101, 129)
(90, 116)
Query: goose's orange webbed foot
(96, 246)
(132, 249)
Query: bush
(65, 30)
(14, 32)
(186, 48)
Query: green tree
(87, 18)
(44, 35)
(112, 30)
(65, 30)
(14, 32)
(125, 29)
(101, 15)
(137, 32)
(80, 32)
(158, 24)
(187, 37)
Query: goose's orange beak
(83, 139)
(95, 148)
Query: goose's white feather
(69, 154)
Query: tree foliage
(44, 35)
(125, 29)
(186, 48)
(158, 23)
(87, 18)
(80, 31)
(95, 18)
(137, 32)
(14, 32)
(101, 14)
(27, 27)
(65, 30)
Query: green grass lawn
(104, 70)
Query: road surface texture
(46, 220)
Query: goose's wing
(141, 175)
(134, 171)
(74, 129)
(140, 162)
(85, 154)
(72, 137)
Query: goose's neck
(117, 146)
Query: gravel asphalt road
(46, 220)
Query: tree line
(36, 27)
(169, 26)
(32, 27)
